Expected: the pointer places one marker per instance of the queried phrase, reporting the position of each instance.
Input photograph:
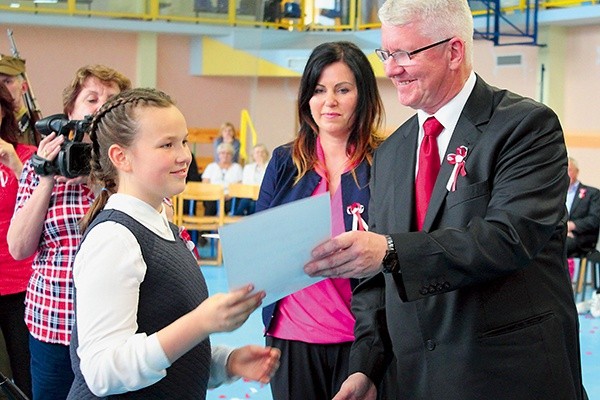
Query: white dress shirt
(447, 116)
(114, 358)
(571, 195)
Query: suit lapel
(404, 180)
(467, 132)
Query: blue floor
(251, 333)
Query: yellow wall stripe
(227, 61)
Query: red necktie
(429, 167)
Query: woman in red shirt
(14, 274)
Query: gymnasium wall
(569, 83)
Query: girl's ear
(118, 156)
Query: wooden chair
(198, 192)
(240, 191)
(201, 141)
(174, 204)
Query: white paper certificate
(269, 248)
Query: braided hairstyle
(116, 122)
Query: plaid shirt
(49, 300)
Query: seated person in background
(223, 172)
(253, 175)
(227, 135)
(193, 175)
(583, 203)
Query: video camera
(73, 159)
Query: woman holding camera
(45, 223)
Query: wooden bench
(201, 144)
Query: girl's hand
(225, 312)
(252, 362)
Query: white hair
(438, 19)
(225, 147)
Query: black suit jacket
(585, 213)
(483, 307)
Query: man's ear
(457, 52)
(119, 157)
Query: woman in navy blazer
(340, 112)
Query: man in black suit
(583, 203)
(476, 303)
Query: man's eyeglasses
(403, 57)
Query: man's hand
(357, 387)
(570, 228)
(355, 254)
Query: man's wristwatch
(390, 260)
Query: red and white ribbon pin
(358, 223)
(458, 160)
(189, 243)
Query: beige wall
(581, 117)
(582, 80)
(53, 54)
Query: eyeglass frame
(385, 55)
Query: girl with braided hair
(143, 315)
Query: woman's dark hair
(9, 128)
(364, 136)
